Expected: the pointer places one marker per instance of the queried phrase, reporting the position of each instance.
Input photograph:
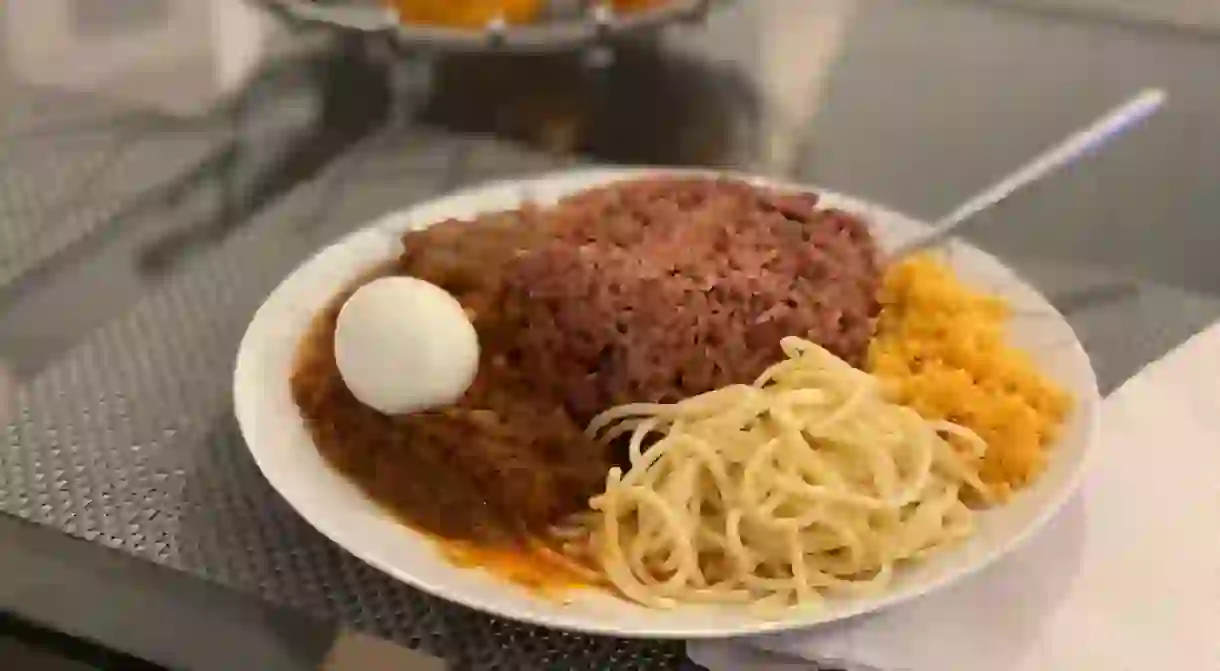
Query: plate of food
(661, 403)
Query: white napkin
(1126, 577)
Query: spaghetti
(806, 483)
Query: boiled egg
(403, 345)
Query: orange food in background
(466, 13)
(635, 5)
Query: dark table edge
(203, 625)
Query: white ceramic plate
(283, 450)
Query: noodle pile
(804, 484)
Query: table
(134, 248)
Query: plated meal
(677, 390)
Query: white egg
(403, 345)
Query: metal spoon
(1079, 144)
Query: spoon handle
(1079, 144)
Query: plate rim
(380, 227)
